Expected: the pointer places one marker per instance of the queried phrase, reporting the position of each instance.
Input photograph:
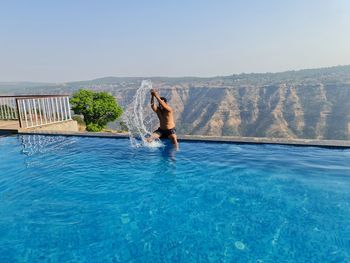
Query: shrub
(92, 127)
(98, 108)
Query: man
(166, 119)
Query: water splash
(139, 118)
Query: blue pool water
(72, 199)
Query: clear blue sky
(67, 40)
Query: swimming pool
(76, 199)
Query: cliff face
(312, 103)
(290, 111)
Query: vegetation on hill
(98, 108)
(309, 104)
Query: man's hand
(154, 107)
(153, 92)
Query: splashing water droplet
(139, 118)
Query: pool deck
(226, 139)
(9, 126)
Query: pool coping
(344, 144)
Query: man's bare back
(166, 119)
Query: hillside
(312, 103)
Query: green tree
(98, 108)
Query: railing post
(62, 117)
(9, 108)
(30, 112)
(69, 112)
(40, 113)
(44, 110)
(35, 112)
(65, 108)
(57, 110)
(13, 109)
(25, 112)
(19, 113)
(1, 111)
(54, 110)
(6, 110)
(15, 105)
(49, 109)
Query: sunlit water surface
(71, 199)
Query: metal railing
(35, 111)
(8, 108)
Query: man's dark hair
(164, 99)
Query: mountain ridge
(306, 104)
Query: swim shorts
(165, 133)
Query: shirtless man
(166, 119)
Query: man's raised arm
(161, 102)
(154, 107)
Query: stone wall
(69, 126)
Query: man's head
(163, 99)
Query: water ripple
(77, 199)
